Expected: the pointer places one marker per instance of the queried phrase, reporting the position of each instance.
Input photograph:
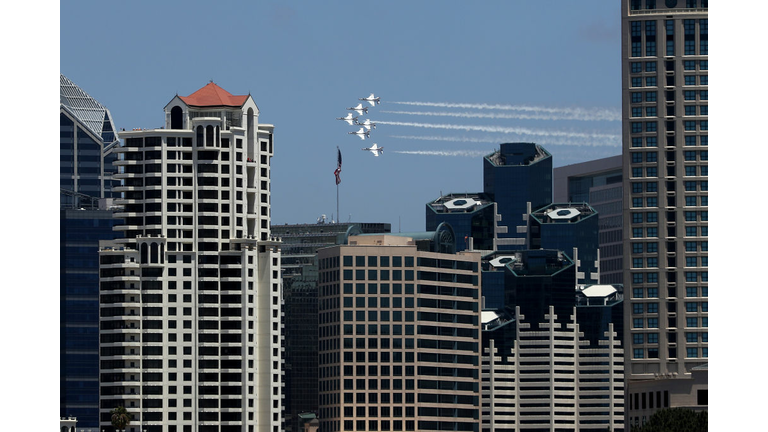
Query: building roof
(213, 95)
(93, 115)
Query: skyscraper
(299, 246)
(86, 144)
(518, 177)
(664, 88)
(190, 334)
(552, 355)
(87, 141)
(399, 334)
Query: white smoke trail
(503, 129)
(522, 116)
(583, 113)
(540, 141)
(461, 153)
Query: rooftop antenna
(398, 224)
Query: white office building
(190, 294)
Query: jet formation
(366, 126)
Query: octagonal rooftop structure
(563, 213)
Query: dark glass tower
(571, 228)
(87, 137)
(80, 232)
(519, 178)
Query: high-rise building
(665, 123)
(472, 216)
(299, 246)
(518, 177)
(399, 334)
(190, 322)
(552, 355)
(87, 140)
(599, 183)
(571, 228)
(80, 231)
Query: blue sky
(306, 62)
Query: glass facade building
(571, 228)
(80, 232)
(86, 143)
(472, 217)
(87, 140)
(518, 177)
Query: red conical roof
(213, 95)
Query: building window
(653, 338)
(651, 65)
(637, 323)
(650, 81)
(637, 338)
(636, 67)
(650, 96)
(636, 97)
(652, 247)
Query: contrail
(463, 153)
(593, 113)
(503, 129)
(541, 141)
(522, 116)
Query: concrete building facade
(665, 137)
(299, 267)
(399, 335)
(190, 301)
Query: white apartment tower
(190, 295)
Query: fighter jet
(368, 124)
(371, 99)
(360, 109)
(349, 119)
(362, 133)
(375, 150)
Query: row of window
(652, 186)
(651, 292)
(653, 202)
(689, 171)
(690, 352)
(651, 4)
(652, 308)
(653, 262)
(653, 338)
(377, 261)
(653, 247)
(652, 81)
(652, 126)
(650, 66)
(651, 111)
(652, 141)
(690, 322)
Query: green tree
(120, 417)
(675, 420)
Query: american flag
(337, 171)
